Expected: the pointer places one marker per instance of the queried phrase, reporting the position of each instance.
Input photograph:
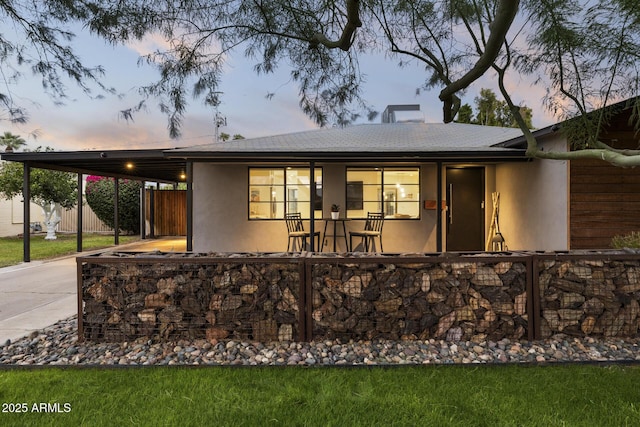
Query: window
(394, 191)
(276, 191)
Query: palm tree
(11, 142)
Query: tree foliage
(491, 111)
(100, 194)
(11, 142)
(584, 52)
(37, 39)
(47, 186)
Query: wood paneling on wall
(604, 199)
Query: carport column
(439, 208)
(26, 212)
(312, 214)
(80, 219)
(189, 206)
(143, 212)
(116, 223)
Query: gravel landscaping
(58, 345)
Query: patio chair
(297, 235)
(372, 229)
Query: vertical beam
(80, 217)
(80, 293)
(143, 212)
(189, 206)
(26, 212)
(439, 208)
(312, 211)
(116, 215)
(152, 213)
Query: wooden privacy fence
(90, 222)
(166, 212)
(284, 297)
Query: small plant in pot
(335, 211)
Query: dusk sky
(85, 123)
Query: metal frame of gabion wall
(357, 296)
(445, 297)
(594, 293)
(125, 296)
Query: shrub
(100, 193)
(631, 240)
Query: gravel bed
(58, 345)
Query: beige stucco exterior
(533, 208)
(220, 212)
(534, 201)
(11, 214)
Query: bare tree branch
(505, 14)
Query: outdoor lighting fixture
(129, 165)
(183, 176)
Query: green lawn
(507, 395)
(11, 247)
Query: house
(11, 216)
(432, 181)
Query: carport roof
(149, 165)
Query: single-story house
(433, 182)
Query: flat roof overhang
(351, 157)
(148, 165)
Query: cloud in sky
(94, 124)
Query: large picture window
(276, 191)
(393, 191)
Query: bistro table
(334, 236)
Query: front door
(465, 213)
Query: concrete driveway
(37, 294)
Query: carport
(139, 165)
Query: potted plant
(335, 211)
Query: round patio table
(334, 236)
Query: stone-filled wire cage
(311, 296)
(588, 294)
(182, 296)
(397, 298)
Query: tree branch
(346, 39)
(506, 13)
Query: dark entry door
(465, 214)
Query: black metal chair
(297, 235)
(372, 229)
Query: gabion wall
(190, 297)
(285, 297)
(590, 295)
(411, 299)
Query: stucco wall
(534, 202)
(11, 212)
(221, 221)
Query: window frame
(285, 188)
(380, 190)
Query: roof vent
(406, 113)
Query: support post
(143, 212)
(312, 211)
(26, 212)
(80, 217)
(439, 208)
(116, 222)
(189, 206)
(152, 213)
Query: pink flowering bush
(100, 194)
